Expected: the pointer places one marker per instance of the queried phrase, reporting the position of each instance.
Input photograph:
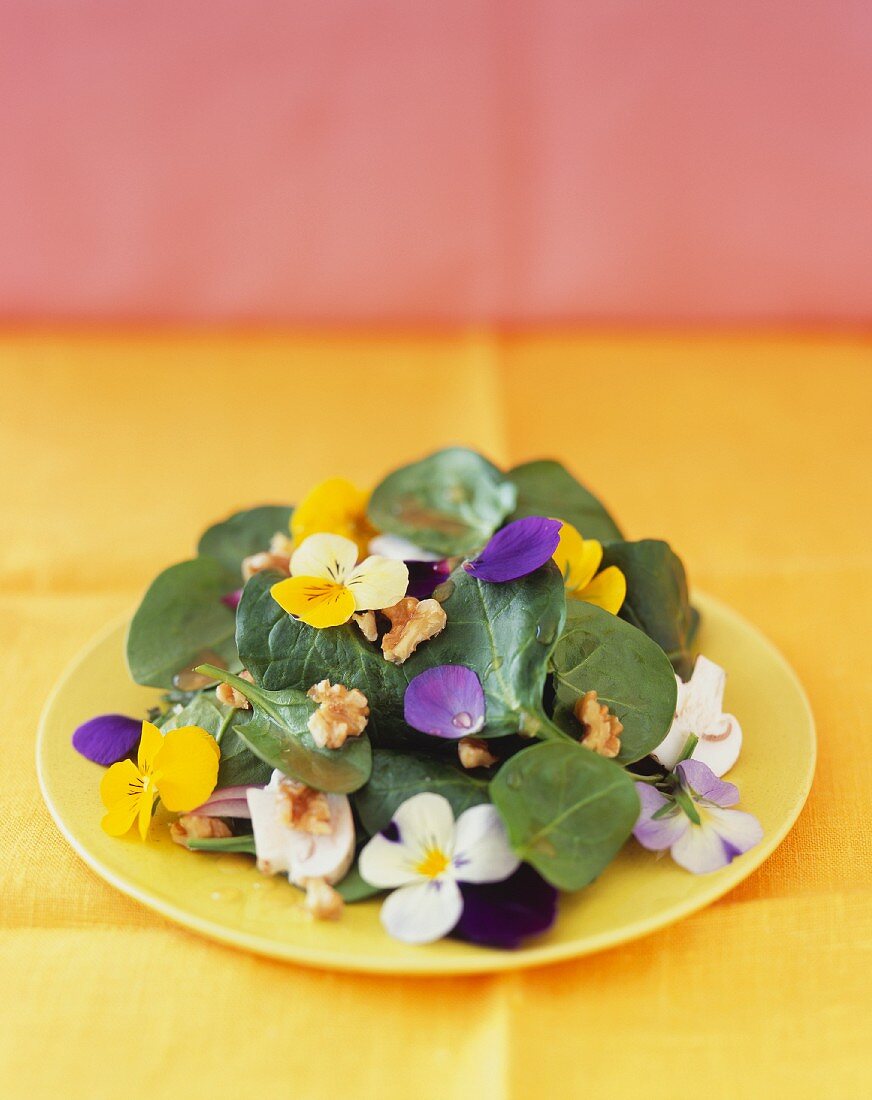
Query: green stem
(537, 725)
(222, 729)
(689, 745)
(244, 844)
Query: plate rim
(485, 960)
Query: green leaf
(567, 810)
(277, 732)
(242, 534)
(181, 622)
(353, 888)
(242, 844)
(202, 711)
(630, 674)
(657, 600)
(546, 488)
(504, 632)
(450, 502)
(397, 776)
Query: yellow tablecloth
(753, 456)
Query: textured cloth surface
(751, 456)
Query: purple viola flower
(694, 821)
(446, 701)
(425, 577)
(232, 599)
(108, 738)
(502, 914)
(516, 550)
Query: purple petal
(425, 577)
(447, 701)
(232, 599)
(502, 914)
(516, 550)
(108, 738)
(657, 834)
(701, 782)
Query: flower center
(433, 864)
(462, 720)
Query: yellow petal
(186, 769)
(577, 559)
(330, 557)
(121, 817)
(121, 781)
(149, 746)
(607, 590)
(146, 809)
(378, 582)
(336, 507)
(317, 602)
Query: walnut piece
(230, 697)
(602, 731)
(265, 559)
(474, 753)
(304, 808)
(412, 622)
(341, 714)
(366, 621)
(198, 826)
(322, 901)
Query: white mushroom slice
(392, 546)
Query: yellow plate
(224, 897)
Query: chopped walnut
(229, 696)
(602, 731)
(340, 715)
(198, 826)
(412, 622)
(304, 808)
(366, 621)
(281, 545)
(266, 559)
(322, 901)
(474, 753)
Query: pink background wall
(404, 160)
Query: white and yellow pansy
(327, 585)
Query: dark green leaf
(181, 622)
(657, 600)
(277, 732)
(546, 488)
(201, 711)
(450, 502)
(630, 673)
(568, 811)
(243, 534)
(397, 776)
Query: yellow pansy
(180, 768)
(335, 507)
(578, 560)
(327, 586)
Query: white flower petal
(426, 824)
(378, 582)
(387, 863)
(330, 557)
(481, 846)
(700, 849)
(738, 831)
(424, 911)
(392, 546)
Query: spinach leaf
(397, 776)
(630, 674)
(545, 488)
(567, 810)
(504, 632)
(657, 601)
(201, 711)
(450, 502)
(243, 534)
(277, 732)
(243, 844)
(353, 888)
(182, 622)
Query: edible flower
(180, 768)
(424, 855)
(107, 738)
(699, 711)
(516, 550)
(502, 914)
(327, 586)
(446, 701)
(335, 507)
(578, 560)
(694, 821)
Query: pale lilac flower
(699, 711)
(716, 836)
(446, 701)
(516, 550)
(424, 854)
(108, 738)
